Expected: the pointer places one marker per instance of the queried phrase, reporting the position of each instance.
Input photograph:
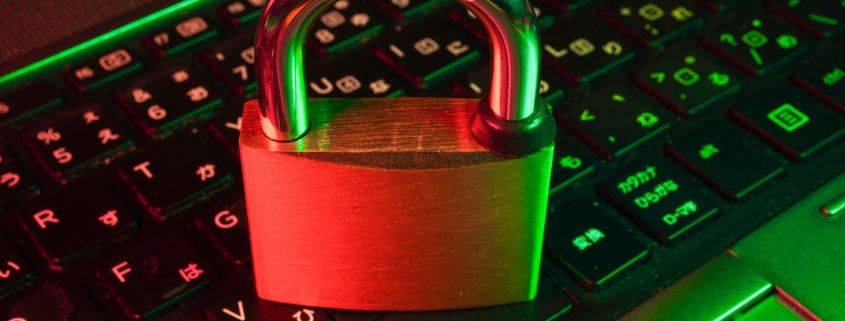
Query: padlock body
(391, 205)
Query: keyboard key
(756, 43)
(227, 129)
(407, 9)
(477, 83)
(590, 246)
(821, 19)
(169, 98)
(21, 104)
(15, 181)
(546, 17)
(344, 26)
(78, 140)
(169, 177)
(240, 12)
(569, 164)
(184, 36)
(106, 69)
(234, 63)
(65, 301)
(15, 273)
(247, 306)
(662, 201)
(613, 120)
(653, 23)
(789, 121)
(722, 5)
(583, 51)
(80, 219)
(228, 229)
(429, 52)
(153, 276)
(353, 76)
(825, 79)
(727, 159)
(687, 82)
(551, 302)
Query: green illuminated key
(613, 120)
(757, 43)
(652, 23)
(183, 36)
(570, 164)
(590, 246)
(825, 79)
(660, 199)
(727, 159)
(821, 19)
(790, 122)
(687, 82)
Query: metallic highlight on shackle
(284, 25)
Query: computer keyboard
(683, 126)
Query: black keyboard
(683, 126)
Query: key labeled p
(44, 217)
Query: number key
(169, 98)
(344, 26)
(77, 140)
(234, 63)
(173, 175)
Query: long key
(175, 174)
(165, 100)
(80, 219)
(152, 276)
(727, 159)
(613, 120)
(78, 140)
(591, 247)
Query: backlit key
(590, 246)
(26, 102)
(660, 199)
(821, 19)
(825, 79)
(184, 35)
(15, 180)
(789, 121)
(652, 23)
(103, 70)
(613, 120)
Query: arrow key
(613, 120)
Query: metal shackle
(283, 28)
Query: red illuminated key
(154, 274)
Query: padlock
(400, 204)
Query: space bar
(718, 290)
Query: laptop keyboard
(683, 126)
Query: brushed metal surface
(352, 217)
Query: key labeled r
(44, 217)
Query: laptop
(697, 171)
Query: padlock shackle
(284, 25)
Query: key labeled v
(241, 316)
